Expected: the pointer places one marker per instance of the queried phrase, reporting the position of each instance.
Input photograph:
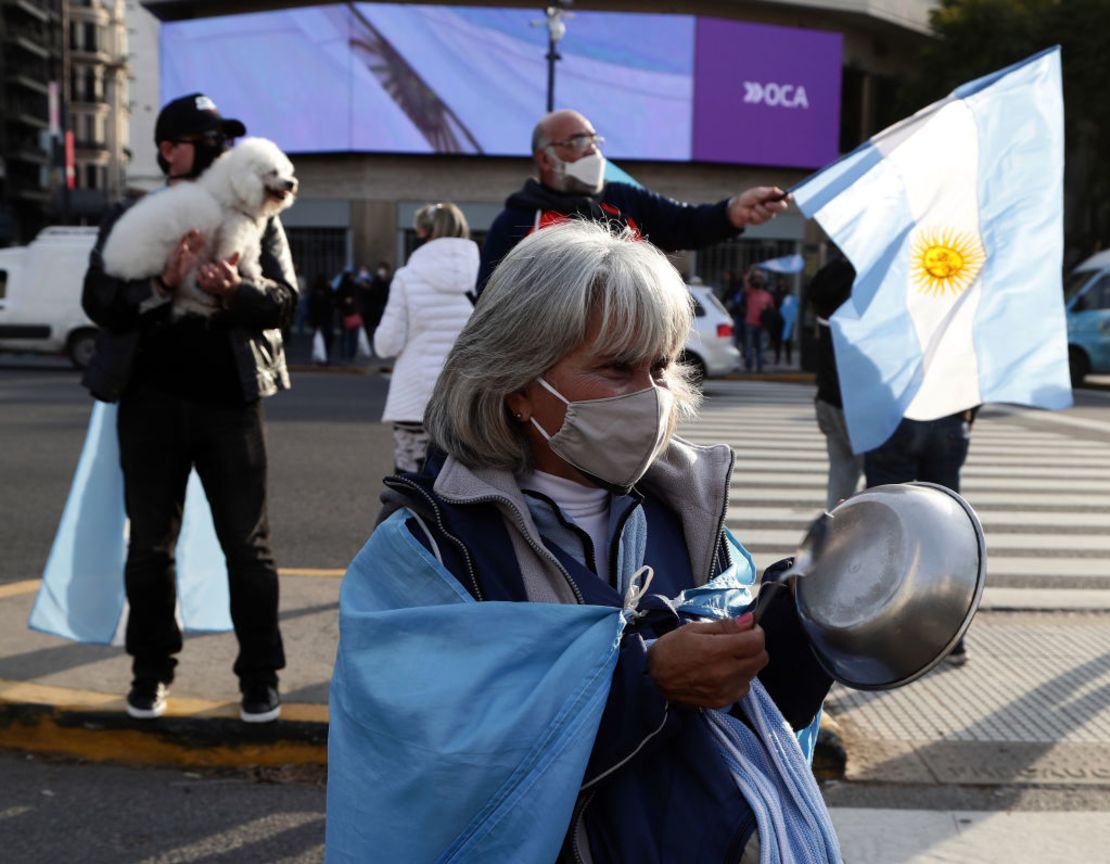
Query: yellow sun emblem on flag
(946, 260)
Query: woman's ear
(519, 405)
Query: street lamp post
(555, 22)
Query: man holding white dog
(189, 389)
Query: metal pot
(894, 585)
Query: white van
(40, 295)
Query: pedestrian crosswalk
(1043, 495)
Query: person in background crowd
(757, 300)
(735, 304)
(190, 393)
(570, 183)
(302, 304)
(350, 321)
(321, 312)
(618, 687)
(374, 297)
(789, 312)
(427, 308)
(831, 286)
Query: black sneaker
(261, 704)
(147, 699)
(958, 655)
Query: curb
(190, 742)
(224, 741)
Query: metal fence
(318, 250)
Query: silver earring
(518, 416)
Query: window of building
(91, 176)
(91, 36)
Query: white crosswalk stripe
(1043, 497)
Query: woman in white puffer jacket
(427, 309)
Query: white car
(710, 349)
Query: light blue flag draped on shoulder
(82, 595)
(460, 731)
(953, 219)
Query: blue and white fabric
(953, 220)
(82, 594)
(449, 745)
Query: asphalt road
(327, 450)
(327, 454)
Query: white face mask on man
(585, 176)
(613, 440)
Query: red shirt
(758, 300)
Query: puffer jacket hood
(447, 264)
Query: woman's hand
(708, 664)
(182, 259)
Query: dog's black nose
(290, 185)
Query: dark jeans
(161, 438)
(932, 451)
(753, 347)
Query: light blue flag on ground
(82, 595)
(953, 219)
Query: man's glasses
(581, 142)
(212, 139)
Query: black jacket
(252, 322)
(831, 286)
(671, 225)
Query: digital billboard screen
(375, 77)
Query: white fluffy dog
(229, 204)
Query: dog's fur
(229, 204)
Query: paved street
(1006, 758)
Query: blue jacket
(671, 225)
(653, 773)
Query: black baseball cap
(194, 114)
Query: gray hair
(540, 138)
(536, 309)
(441, 220)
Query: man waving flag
(953, 219)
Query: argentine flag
(953, 219)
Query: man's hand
(708, 664)
(757, 205)
(220, 278)
(182, 259)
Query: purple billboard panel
(766, 95)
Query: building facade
(30, 58)
(98, 105)
(64, 113)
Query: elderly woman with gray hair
(546, 652)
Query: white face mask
(612, 440)
(586, 176)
